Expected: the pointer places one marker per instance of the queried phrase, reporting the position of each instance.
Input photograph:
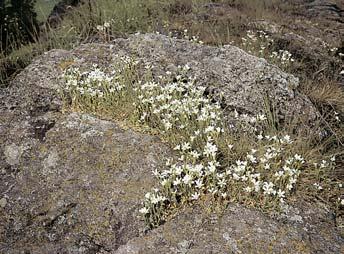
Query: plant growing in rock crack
(250, 166)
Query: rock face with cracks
(73, 183)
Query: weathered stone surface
(236, 230)
(310, 45)
(327, 9)
(73, 183)
(81, 188)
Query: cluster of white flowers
(100, 89)
(267, 169)
(334, 49)
(185, 35)
(247, 123)
(259, 43)
(250, 37)
(104, 30)
(104, 27)
(94, 83)
(284, 56)
(192, 38)
(193, 124)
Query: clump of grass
(326, 93)
(328, 97)
(260, 167)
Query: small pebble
(3, 202)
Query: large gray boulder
(73, 183)
(77, 189)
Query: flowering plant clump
(192, 38)
(247, 123)
(101, 90)
(259, 43)
(104, 31)
(269, 172)
(193, 125)
(211, 159)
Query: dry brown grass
(327, 92)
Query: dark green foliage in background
(18, 23)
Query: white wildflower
(280, 193)
(210, 149)
(223, 195)
(211, 166)
(195, 154)
(318, 186)
(187, 179)
(298, 158)
(177, 182)
(177, 148)
(185, 146)
(323, 164)
(222, 183)
(144, 210)
(100, 28)
(199, 183)
(148, 195)
(252, 158)
(195, 196)
(268, 188)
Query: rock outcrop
(73, 183)
(327, 9)
(312, 38)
